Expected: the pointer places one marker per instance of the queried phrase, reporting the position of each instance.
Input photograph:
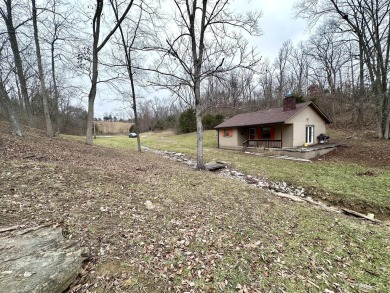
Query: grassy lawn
(337, 182)
(203, 233)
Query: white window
(310, 134)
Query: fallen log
(6, 229)
(40, 260)
(360, 215)
(289, 196)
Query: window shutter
(223, 132)
(272, 132)
(231, 132)
(259, 133)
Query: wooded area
(54, 54)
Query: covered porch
(262, 143)
(267, 136)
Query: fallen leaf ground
(199, 233)
(359, 147)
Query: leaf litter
(153, 225)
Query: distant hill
(104, 128)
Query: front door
(252, 133)
(310, 134)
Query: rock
(40, 260)
(235, 173)
(214, 166)
(250, 180)
(149, 205)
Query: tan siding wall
(228, 142)
(288, 135)
(278, 131)
(305, 118)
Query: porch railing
(262, 143)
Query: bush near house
(187, 121)
(210, 121)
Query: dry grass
(203, 233)
(105, 128)
(354, 176)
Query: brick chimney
(289, 102)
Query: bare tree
(328, 52)
(96, 48)
(58, 33)
(43, 90)
(281, 64)
(208, 42)
(128, 42)
(299, 63)
(7, 16)
(368, 23)
(5, 100)
(266, 82)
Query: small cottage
(292, 125)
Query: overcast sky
(277, 23)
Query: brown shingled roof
(271, 116)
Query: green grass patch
(339, 183)
(205, 234)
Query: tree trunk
(129, 72)
(45, 103)
(199, 135)
(91, 101)
(18, 60)
(386, 118)
(7, 105)
(95, 73)
(56, 93)
(134, 107)
(95, 51)
(199, 127)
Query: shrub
(210, 121)
(187, 121)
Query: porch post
(281, 135)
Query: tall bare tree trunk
(135, 109)
(18, 60)
(199, 124)
(56, 93)
(197, 59)
(43, 91)
(90, 117)
(95, 73)
(199, 136)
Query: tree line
(54, 53)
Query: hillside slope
(153, 225)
